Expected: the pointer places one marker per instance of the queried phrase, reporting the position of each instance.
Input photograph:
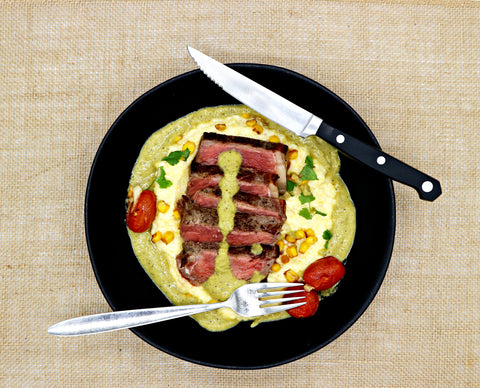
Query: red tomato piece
(141, 214)
(324, 273)
(308, 309)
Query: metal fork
(250, 300)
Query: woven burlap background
(411, 69)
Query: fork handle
(101, 323)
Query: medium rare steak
(244, 202)
(201, 225)
(258, 154)
(249, 180)
(196, 262)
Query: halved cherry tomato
(141, 214)
(324, 273)
(308, 309)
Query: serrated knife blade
(304, 123)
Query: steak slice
(244, 263)
(258, 154)
(244, 202)
(249, 180)
(201, 225)
(196, 262)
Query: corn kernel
(190, 145)
(274, 139)
(284, 259)
(291, 276)
(310, 232)
(299, 234)
(311, 240)
(251, 123)
(168, 237)
(276, 267)
(221, 127)
(162, 206)
(157, 236)
(177, 138)
(290, 237)
(292, 251)
(258, 129)
(292, 154)
(304, 246)
(281, 245)
(246, 115)
(261, 120)
(176, 214)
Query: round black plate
(123, 281)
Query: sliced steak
(245, 203)
(249, 180)
(258, 154)
(201, 225)
(244, 263)
(196, 262)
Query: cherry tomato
(324, 273)
(308, 309)
(141, 214)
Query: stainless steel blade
(257, 97)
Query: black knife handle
(428, 188)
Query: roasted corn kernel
(251, 123)
(290, 237)
(274, 139)
(157, 236)
(190, 145)
(162, 206)
(176, 214)
(246, 115)
(168, 237)
(304, 246)
(257, 128)
(311, 240)
(281, 245)
(291, 276)
(292, 154)
(221, 127)
(292, 251)
(177, 138)
(276, 267)
(299, 234)
(284, 259)
(310, 232)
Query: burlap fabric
(411, 69)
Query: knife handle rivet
(340, 139)
(381, 160)
(427, 186)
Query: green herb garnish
(307, 173)
(305, 213)
(291, 186)
(175, 156)
(318, 212)
(162, 181)
(327, 235)
(306, 198)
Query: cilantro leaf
(307, 173)
(309, 161)
(306, 198)
(175, 156)
(327, 235)
(305, 213)
(319, 212)
(162, 181)
(291, 186)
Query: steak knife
(304, 123)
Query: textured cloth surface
(411, 69)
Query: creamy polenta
(321, 206)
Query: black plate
(123, 281)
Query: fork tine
(280, 300)
(271, 286)
(277, 293)
(283, 307)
